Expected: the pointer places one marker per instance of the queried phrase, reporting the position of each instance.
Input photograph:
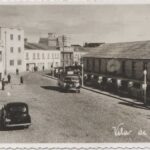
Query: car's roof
(16, 103)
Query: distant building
(78, 54)
(60, 42)
(67, 58)
(40, 55)
(13, 42)
(121, 62)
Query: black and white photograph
(75, 73)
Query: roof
(128, 50)
(82, 49)
(16, 103)
(39, 46)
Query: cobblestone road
(73, 117)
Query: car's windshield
(73, 79)
(18, 108)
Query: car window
(73, 79)
(17, 109)
(67, 79)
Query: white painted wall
(1, 61)
(15, 43)
(50, 57)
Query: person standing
(3, 84)
(17, 71)
(43, 68)
(9, 78)
(21, 80)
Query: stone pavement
(14, 91)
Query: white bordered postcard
(74, 74)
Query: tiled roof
(128, 50)
(39, 46)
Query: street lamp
(145, 85)
(82, 74)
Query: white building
(78, 53)
(13, 44)
(38, 55)
(1, 60)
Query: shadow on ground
(52, 88)
(135, 105)
(56, 88)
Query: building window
(43, 56)
(19, 62)
(19, 37)
(11, 36)
(33, 55)
(27, 56)
(48, 56)
(56, 64)
(145, 66)
(38, 56)
(19, 49)
(52, 55)
(133, 69)
(123, 68)
(11, 49)
(11, 62)
(0, 56)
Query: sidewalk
(125, 99)
(14, 91)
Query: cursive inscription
(121, 131)
(142, 132)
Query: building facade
(1, 60)
(121, 63)
(61, 43)
(13, 43)
(78, 54)
(39, 57)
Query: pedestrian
(17, 71)
(3, 84)
(21, 80)
(43, 68)
(9, 78)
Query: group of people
(3, 82)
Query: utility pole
(5, 56)
(63, 41)
(82, 74)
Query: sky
(81, 23)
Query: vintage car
(69, 83)
(15, 114)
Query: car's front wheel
(26, 126)
(77, 91)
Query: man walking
(17, 71)
(9, 78)
(3, 84)
(43, 68)
(21, 80)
